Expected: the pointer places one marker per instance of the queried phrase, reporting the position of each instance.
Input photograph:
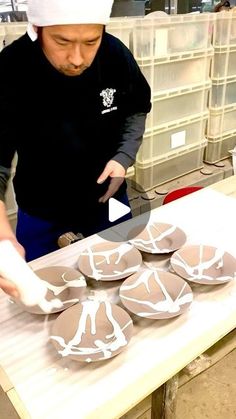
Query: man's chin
(71, 72)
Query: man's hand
(7, 286)
(116, 172)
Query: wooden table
(41, 385)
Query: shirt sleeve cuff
(123, 159)
(4, 177)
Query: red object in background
(178, 193)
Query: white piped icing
(90, 312)
(197, 272)
(98, 295)
(98, 274)
(152, 243)
(167, 305)
(58, 289)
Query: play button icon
(116, 210)
(123, 211)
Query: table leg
(164, 400)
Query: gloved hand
(7, 286)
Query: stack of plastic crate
(2, 35)
(174, 53)
(221, 130)
(14, 30)
(121, 28)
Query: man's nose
(75, 56)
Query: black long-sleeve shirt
(65, 129)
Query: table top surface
(56, 387)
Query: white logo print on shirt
(108, 99)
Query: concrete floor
(7, 411)
(212, 394)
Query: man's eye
(62, 42)
(90, 43)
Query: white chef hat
(64, 12)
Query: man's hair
(223, 4)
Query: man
(73, 105)
(223, 5)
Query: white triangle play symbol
(116, 209)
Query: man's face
(71, 48)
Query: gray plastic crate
(219, 148)
(155, 37)
(2, 35)
(170, 166)
(178, 71)
(121, 28)
(224, 28)
(169, 138)
(224, 62)
(13, 31)
(169, 106)
(221, 121)
(223, 92)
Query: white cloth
(65, 12)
